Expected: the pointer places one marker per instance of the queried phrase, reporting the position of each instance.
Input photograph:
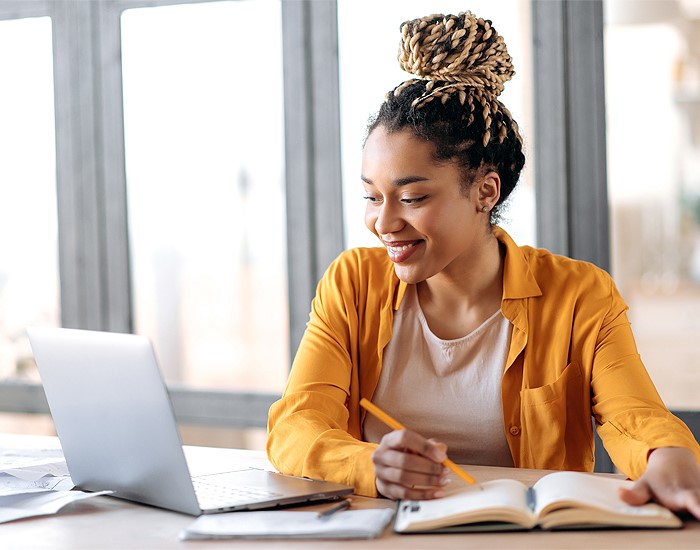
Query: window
(29, 282)
(237, 166)
(204, 140)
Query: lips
(400, 251)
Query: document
(290, 524)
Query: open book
(561, 500)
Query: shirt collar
(518, 280)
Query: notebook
(116, 426)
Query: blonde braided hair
(462, 65)
(458, 54)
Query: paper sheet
(23, 473)
(10, 485)
(13, 507)
(33, 473)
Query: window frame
(570, 145)
(94, 261)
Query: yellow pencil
(396, 425)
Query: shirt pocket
(557, 420)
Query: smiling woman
(499, 353)
(428, 224)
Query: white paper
(22, 465)
(288, 524)
(13, 507)
(10, 485)
(36, 471)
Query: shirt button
(514, 430)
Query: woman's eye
(413, 200)
(407, 201)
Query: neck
(477, 283)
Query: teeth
(394, 250)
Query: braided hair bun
(462, 65)
(456, 48)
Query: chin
(408, 276)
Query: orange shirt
(572, 357)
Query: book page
(583, 498)
(501, 500)
(579, 488)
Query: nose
(388, 219)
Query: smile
(401, 252)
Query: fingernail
(445, 480)
(439, 494)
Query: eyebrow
(398, 182)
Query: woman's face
(418, 210)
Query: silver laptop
(116, 425)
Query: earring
(484, 208)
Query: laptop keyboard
(211, 495)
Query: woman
(501, 354)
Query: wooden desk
(109, 523)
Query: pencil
(396, 425)
(342, 505)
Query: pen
(342, 505)
(396, 425)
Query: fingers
(409, 469)
(436, 450)
(410, 441)
(637, 495)
(401, 492)
(692, 503)
(672, 479)
(677, 501)
(408, 466)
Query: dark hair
(463, 63)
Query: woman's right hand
(408, 466)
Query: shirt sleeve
(631, 418)
(310, 429)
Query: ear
(489, 191)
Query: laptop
(116, 426)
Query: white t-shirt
(449, 390)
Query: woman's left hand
(672, 479)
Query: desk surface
(110, 523)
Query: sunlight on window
(203, 103)
(29, 286)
